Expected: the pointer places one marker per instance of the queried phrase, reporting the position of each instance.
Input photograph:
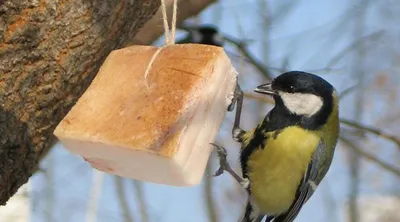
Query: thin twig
(372, 130)
(95, 193)
(241, 46)
(210, 202)
(355, 163)
(282, 12)
(373, 36)
(370, 156)
(262, 68)
(119, 188)
(330, 203)
(263, 99)
(347, 91)
(141, 199)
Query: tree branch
(94, 196)
(141, 199)
(369, 156)
(119, 188)
(208, 195)
(372, 130)
(154, 27)
(263, 99)
(241, 46)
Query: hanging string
(169, 34)
(173, 29)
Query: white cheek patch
(301, 104)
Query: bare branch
(210, 203)
(263, 99)
(119, 188)
(138, 185)
(350, 144)
(154, 27)
(347, 91)
(372, 130)
(95, 192)
(241, 46)
(374, 36)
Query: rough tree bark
(49, 53)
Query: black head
(302, 82)
(207, 34)
(208, 29)
(304, 97)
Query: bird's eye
(291, 89)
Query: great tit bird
(286, 156)
(205, 34)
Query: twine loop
(169, 33)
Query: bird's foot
(225, 166)
(237, 99)
(223, 162)
(238, 94)
(245, 183)
(237, 133)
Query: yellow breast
(275, 171)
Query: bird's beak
(265, 89)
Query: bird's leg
(237, 99)
(225, 166)
(236, 133)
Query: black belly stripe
(258, 141)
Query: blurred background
(355, 45)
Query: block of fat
(154, 126)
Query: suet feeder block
(152, 123)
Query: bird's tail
(257, 219)
(251, 216)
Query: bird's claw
(236, 95)
(223, 163)
(231, 106)
(224, 166)
(218, 172)
(236, 133)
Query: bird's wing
(305, 189)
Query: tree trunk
(49, 53)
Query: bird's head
(302, 94)
(207, 34)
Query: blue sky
(311, 34)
